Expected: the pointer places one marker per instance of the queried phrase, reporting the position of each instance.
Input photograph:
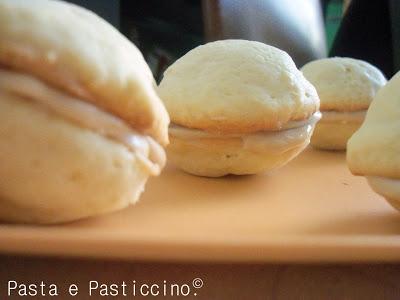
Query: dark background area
(366, 33)
(166, 30)
(163, 30)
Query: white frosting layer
(344, 117)
(273, 140)
(85, 115)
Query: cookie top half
(237, 86)
(76, 51)
(344, 84)
(374, 149)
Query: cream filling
(294, 135)
(343, 117)
(388, 187)
(149, 153)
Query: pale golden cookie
(81, 125)
(346, 87)
(374, 150)
(237, 107)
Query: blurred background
(306, 29)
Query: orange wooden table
(251, 235)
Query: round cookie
(346, 87)
(81, 125)
(237, 107)
(373, 151)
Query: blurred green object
(334, 13)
